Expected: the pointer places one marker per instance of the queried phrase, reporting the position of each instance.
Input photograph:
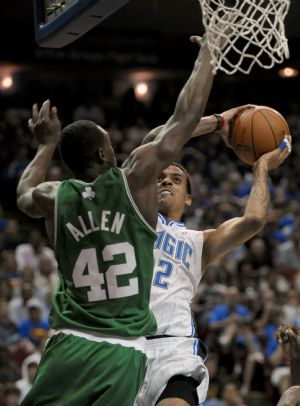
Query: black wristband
(220, 121)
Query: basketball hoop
(250, 31)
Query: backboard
(60, 22)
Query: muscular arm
(206, 125)
(33, 175)
(148, 160)
(219, 123)
(237, 231)
(45, 125)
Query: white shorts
(167, 357)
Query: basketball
(256, 131)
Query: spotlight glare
(288, 72)
(7, 82)
(141, 89)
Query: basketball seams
(254, 135)
(265, 117)
(252, 138)
(233, 138)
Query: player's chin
(164, 204)
(165, 198)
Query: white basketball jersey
(177, 274)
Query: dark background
(145, 34)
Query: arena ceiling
(152, 33)
(164, 16)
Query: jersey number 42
(95, 279)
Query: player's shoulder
(207, 233)
(46, 187)
(43, 196)
(45, 191)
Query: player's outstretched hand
(291, 397)
(45, 124)
(229, 116)
(273, 159)
(198, 40)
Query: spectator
(28, 253)
(6, 290)
(226, 317)
(29, 368)
(8, 370)
(35, 328)
(280, 374)
(11, 395)
(17, 306)
(11, 235)
(89, 110)
(291, 308)
(46, 277)
(9, 333)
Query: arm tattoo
(261, 190)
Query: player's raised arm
(237, 231)
(45, 125)
(151, 158)
(215, 123)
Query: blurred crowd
(240, 302)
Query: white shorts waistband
(139, 343)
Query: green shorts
(75, 371)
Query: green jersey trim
(56, 216)
(139, 343)
(136, 209)
(82, 182)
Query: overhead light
(141, 89)
(6, 82)
(288, 72)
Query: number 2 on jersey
(95, 279)
(165, 273)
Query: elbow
(27, 206)
(188, 120)
(20, 202)
(177, 134)
(255, 223)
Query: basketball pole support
(71, 24)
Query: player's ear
(188, 200)
(100, 156)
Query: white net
(241, 33)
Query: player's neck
(170, 212)
(173, 215)
(91, 173)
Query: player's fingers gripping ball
(285, 143)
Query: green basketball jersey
(104, 249)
